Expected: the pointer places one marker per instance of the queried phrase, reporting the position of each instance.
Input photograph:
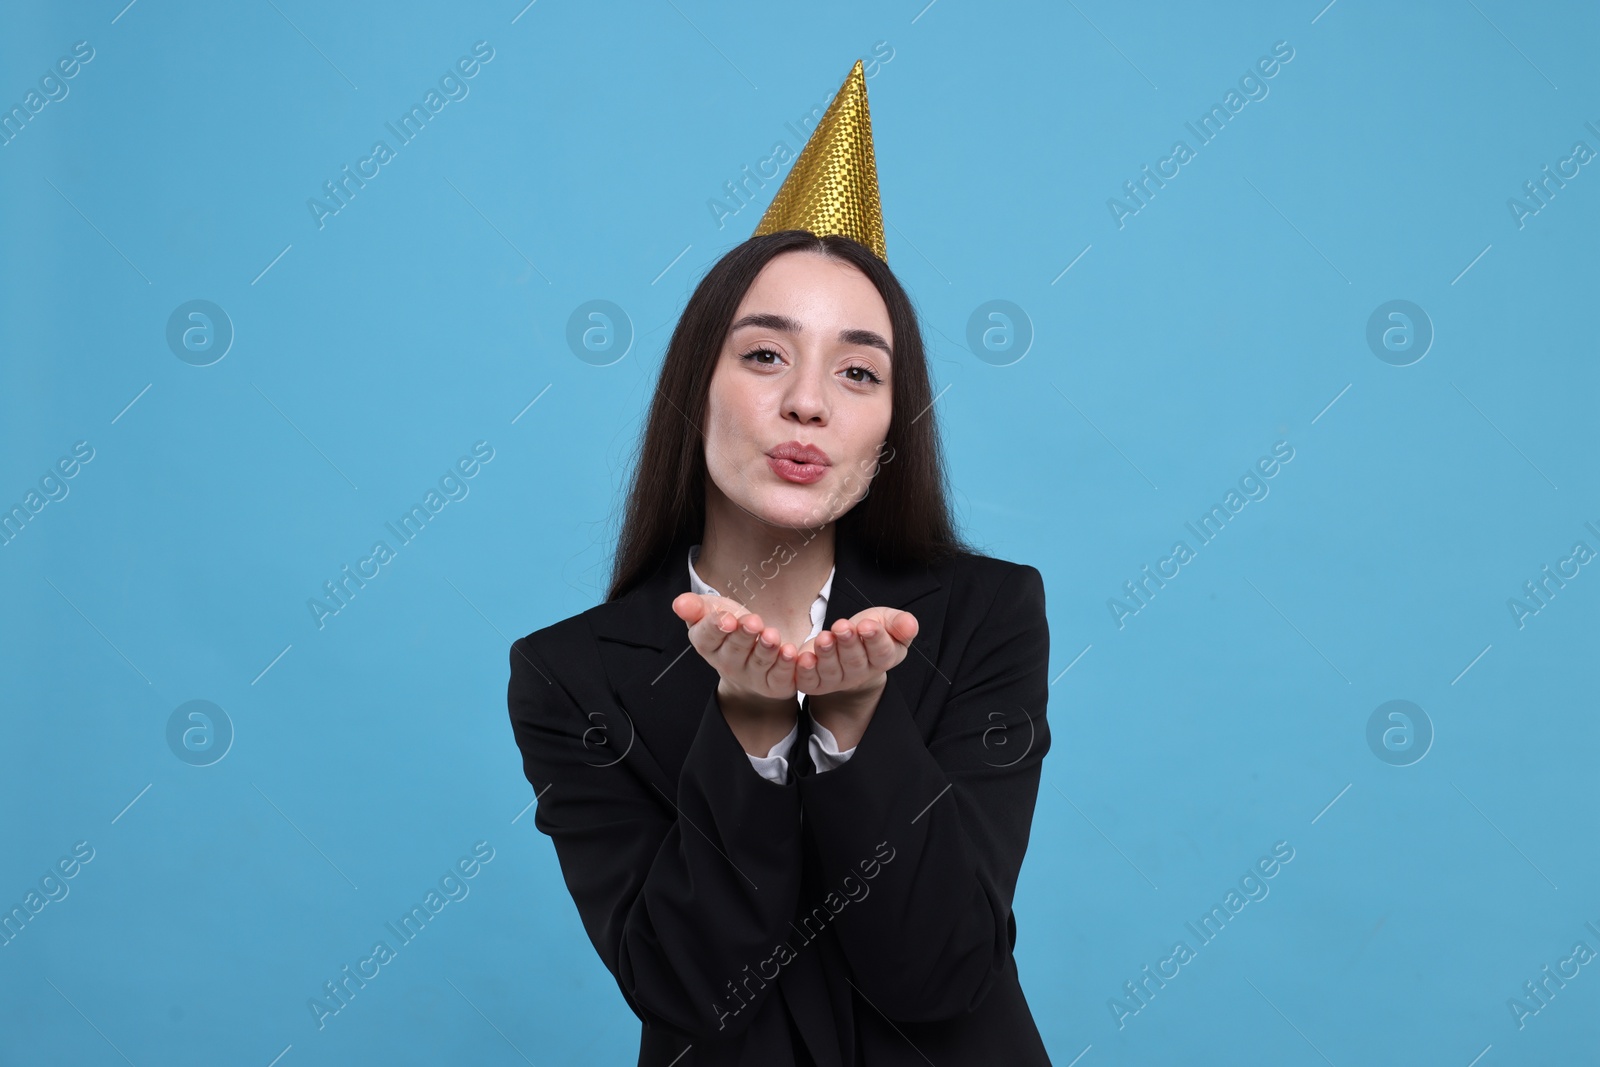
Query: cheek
(730, 416)
(874, 429)
(720, 432)
(725, 441)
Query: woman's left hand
(853, 657)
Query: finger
(852, 655)
(828, 658)
(712, 634)
(742, 639)
(782, 672)
(855, 668)
(902, 626)
(764, 646)
(806, 679)
(690, 607)
(876, 643)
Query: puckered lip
(796, 452)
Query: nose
(805, 397)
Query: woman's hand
(756, 693)
(843, 670)
(855, 655)
(752, 658)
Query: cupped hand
(751, 657)
(855, 654)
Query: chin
(795, 507)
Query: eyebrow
(784, 323)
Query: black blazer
(857, 916)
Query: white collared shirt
(823, 746)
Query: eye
(752, 357)
(870, 375)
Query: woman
(845, 899)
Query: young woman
(789, 766)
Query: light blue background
(1230, 313)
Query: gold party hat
(833, 187)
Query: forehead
(814, 288)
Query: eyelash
(749, 357)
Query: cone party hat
(833, 188)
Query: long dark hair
(903, 520)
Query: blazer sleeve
(679, 894)
(931, 931)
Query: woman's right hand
(757, 691)
(752, 658)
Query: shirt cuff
(824, 748)
(774, 766)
